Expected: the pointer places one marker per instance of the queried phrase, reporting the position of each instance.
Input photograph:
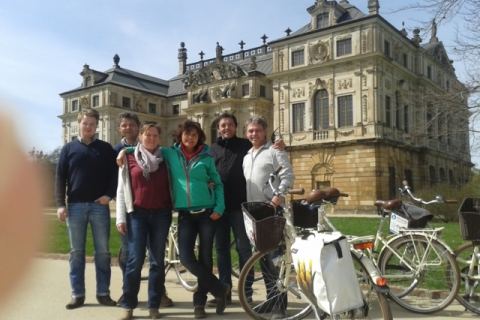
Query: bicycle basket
(264, 228)
(469, 218)
(303, 215)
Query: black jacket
(228, 155)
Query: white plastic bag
(325, 272)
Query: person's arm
(112, 185)
(219, 207)
(61, 185)
(285, 175)
(121, 215)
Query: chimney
(182, 59)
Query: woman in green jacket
(197, 193)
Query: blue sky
(44, 44)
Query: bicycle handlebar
(438, 198)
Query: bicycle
(468, 255)
(420, 268)
(279, 283)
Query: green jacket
(190, 181)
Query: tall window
(322, 20)
(126, 102)
(406, 123)
(405, 60)
(397, 114)
(429, 123)
(429, 72)
(176, 109)
(320, 112)
(345, 111)
(344, 47)
(245, 89)
(392, 185)
(263, 91)
(386, 48)
(298, 114)
(298, 57)
(95, 100)
(388, 111)
(74, 105)
(433, 175)
(152, 108)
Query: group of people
(206, 186)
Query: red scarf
(189, 155)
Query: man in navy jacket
(85, 183)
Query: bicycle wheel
(236, 262)
(279, 301)
(422, 274)
(469, 292)
(185, 277)
(376, 303)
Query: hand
(121, 158)
(279, 145)
(215, 216)
(62, 214)
(103, 200)
(122, 228)
(276, 201)
(211, 185)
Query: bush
(449, 212)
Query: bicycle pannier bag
(325, 272)
(469, 218)
(264, 228)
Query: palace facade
(360, 104)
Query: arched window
(214, 131)
(433, 175)
(320, 111)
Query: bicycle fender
(369, 265)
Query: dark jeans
(146, 227)
(232, 220)
(189, 226)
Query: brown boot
(127, 314)
(153, 313)
(165, 301)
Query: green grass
(57, 235)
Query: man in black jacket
(228, 152)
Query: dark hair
(189, 126)
(149, 124)
(226, 115)
(88, 113)
(129, 116)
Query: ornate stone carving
(364, 81)
(84, 103)
(364, 108)
(280, 61)
(299, 137)
(318, 85)
(344, 84)
(319, 52)
(201, 96)
(298, 92)
(345, 133)
(213, 72)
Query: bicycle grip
(296, 191)
(343, 194)
(451, 201)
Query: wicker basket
(469, 218)
(264, 228)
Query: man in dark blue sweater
(85, 183)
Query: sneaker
(222, 300)
(76, 302)
(165, 301)
(153, 313)
(199, 312)
(106, 301)
(127, 314)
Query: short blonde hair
(88, 113)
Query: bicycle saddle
(389, 204)
(324, 194)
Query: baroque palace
(360, 104)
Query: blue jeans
(232, 220)
(146, 228)
(79, 216)
(189, 226)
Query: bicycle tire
(377, 306)
(297, 307)
(236, 262)
(428, 288)
(469, 292)
(184, 276)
